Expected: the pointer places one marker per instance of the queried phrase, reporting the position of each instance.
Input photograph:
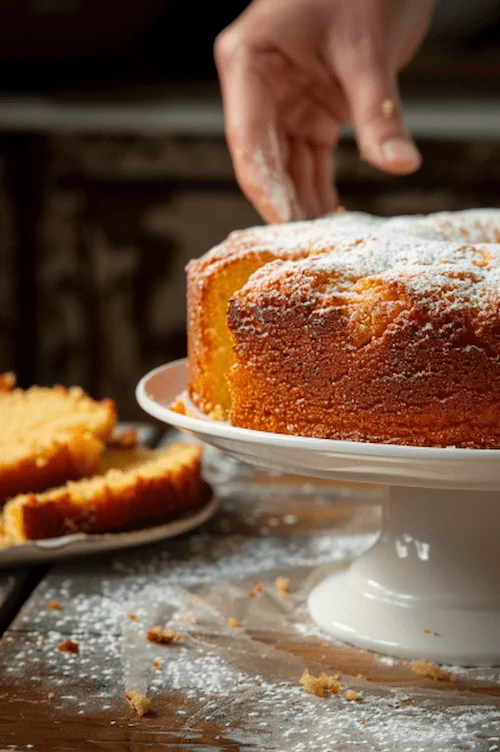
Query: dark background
(97, 221)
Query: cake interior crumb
(318, 685)
(282, 586)
(138, 702)
(431, 671)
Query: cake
(133, 486)
(49, 435)
(353, 327)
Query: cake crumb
(163, 636)
(68, 646)
(156, 665)
(132, 617)
(352, 696)
(217, 413)
(282, 586)
(138, 702)
(178, 407)
(232, 622)
(257, 587)
(237, 701)
(316, 685)
(53, 604)
(387, 107)
(431, 671)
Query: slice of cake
(48, 436)
(133, 486)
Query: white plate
(81, 544)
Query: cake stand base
(429, 588)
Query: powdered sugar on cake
(456, 255)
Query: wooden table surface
(220, 688)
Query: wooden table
(221, 687)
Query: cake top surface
(447, 259)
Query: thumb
(373, 97)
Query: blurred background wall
(114, 171)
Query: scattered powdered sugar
(242, 680)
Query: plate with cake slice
(72, 484)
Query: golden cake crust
(134, 485)
(388, 333)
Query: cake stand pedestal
(430, 587)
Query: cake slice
(48, 436)
(135, 485)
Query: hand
(293, 73)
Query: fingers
(251, 125)
(324, 178)
(301, 167)
(371, 90)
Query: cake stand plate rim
(210, 427)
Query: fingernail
(400, 150)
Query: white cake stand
(430, 587)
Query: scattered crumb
(218, 413)
(282, 586)
(257, 587)
(387, 107)
(258, 683)
(431, 671)
(237, 701)
(163, 636)
(132, 617)
(232, 622)
(156, 664)
(68, 646)
(316, 685)
(178, 406)
(352, 696)
(255, 694)
(53, 604)
(138, 702)
(340, 210)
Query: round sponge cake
(353, 327)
